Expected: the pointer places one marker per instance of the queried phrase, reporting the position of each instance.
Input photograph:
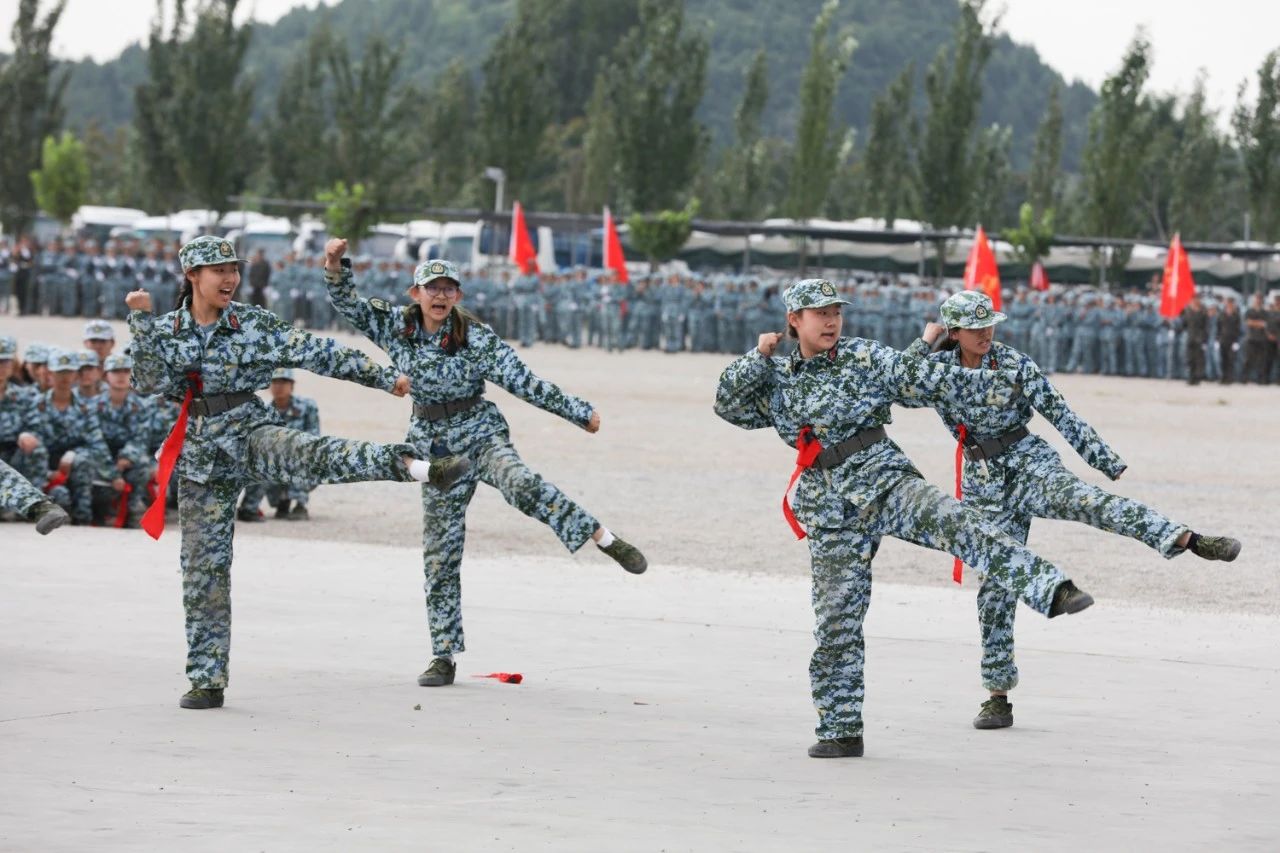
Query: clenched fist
(138, 300)
(333, 252)
(768, 343)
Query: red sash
(807, 450)
(153, 518)
(957, 568)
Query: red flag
(1178, 288)
(980, 271)
(613, 257)
(521, 253)
(1039, 278)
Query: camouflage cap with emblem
(62, 361)
(98, 330)
(36, 354)
(87, 358)
(8, 347)
(117, 361)
(969, 309)
(429, 271)
(285, 373)
(812, 293)
(207, 251)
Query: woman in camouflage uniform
(215, 354)
(836, 392)
(1014, 476)
(449, 354)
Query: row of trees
(592, 102)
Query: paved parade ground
(668, 711)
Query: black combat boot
(201, 698)
(48, 517)
(837, 747)
(996, 713)
(1068, 599)
(282, 509)
(440, 673)
(1214, 547)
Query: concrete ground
(662, 712)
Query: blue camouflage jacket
(74, 428)
(984, 422)
(301, 414)
(243, 349)
(841, 392)
(127, 428)
(438, 377)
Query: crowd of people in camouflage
(1071, 329)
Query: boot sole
(51, 522)
(198, 706)
(993, 722)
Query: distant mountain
(433, 32)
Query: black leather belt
(440, 411)
(834, 455)
(216, 404)
(977, 451)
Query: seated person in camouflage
(449, 355)
(302, 414)
(835, 393)
(69, 429)
(89, 381)
(20, 444)
(17, 495)
(127, 419)
(1013, 476)
(214, 354)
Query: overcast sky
(1082, 39)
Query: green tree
(373, 122)
(446, 136)
(516, 104)
(1198, 195)
(113, 170)
(599, 151)
(63, 177)
(298, 138)
(739, 182)
(1046, 157)
(887, 164)
(348, 213)
(661, 235)
(1114, 155)
(991, 175)
(1033, 237)
(193, 112)
(654, 84)
(818, 140)
(1257, 131)
(953, 91)
(31, 93)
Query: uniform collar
(183, 319)
(821, 360)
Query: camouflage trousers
(496, 463)
(207, 512)
(16, 492)
(840, 560)
(75, 494)
(1011, 497)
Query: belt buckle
(973, 453)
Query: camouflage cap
(206, 251)
(969, 309)
(36, 354)
(282, 373)
(88, 358)
(8, 347)
(117, 361)
(63, 361)
(98, 330)
(429, 271)
(812, 293)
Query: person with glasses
(448, 354)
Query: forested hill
(890, 36)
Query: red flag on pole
(521, 253)
(980, 271)
(1039, 278)
(613, 257)
(1178, 288)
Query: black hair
(185, 292)
(460, 320)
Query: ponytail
(461, 320)
(184, 293)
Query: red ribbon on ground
(807, 450)
(153, 518)
(122, 514)
(957, 568)
(504, 677)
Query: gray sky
(1082, 39)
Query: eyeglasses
(434, 289)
